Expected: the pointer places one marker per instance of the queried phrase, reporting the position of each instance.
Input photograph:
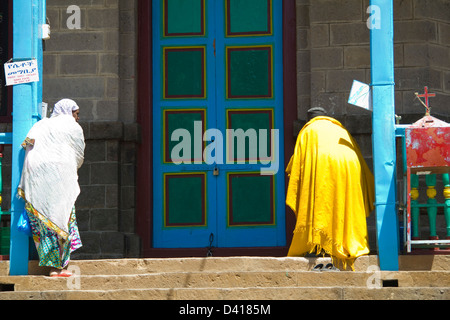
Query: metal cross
(426, 95)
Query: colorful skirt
(53, 250)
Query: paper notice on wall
(19, 72)
(360, 95)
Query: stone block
(113, 150)
(133, 246)
(112, 242)
(302, 15)
(127, 198)
(74, 87)
(436, 9)
(447, 81)
(49, 64)
(109, 64)
(112, 196)
(439, 56)
(104, 173)
(66, 3)
(357, 57)
(91, 197)
(403, 10)
(78, 64)
(91, 243)
(332, 102)
(104, 220)
(330, 10)
(132, 132)
(127, 220)
(303, 39)
(95, 151)
(303, 61)
(318, 79)
(411, 78)
(83, 216)
(112, 88)
(84, 174)
(415, 31)
(105, 130)
(349, 33)
(54, 18)
(415, 55)
(75, 41)
(303, 83)
(320, 35)
(128, 152)
(326, 58)
(128, 175)
(444, 33)
(342, 80)
(107, 110)
(104, 18)
(127, 21)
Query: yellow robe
(331, 191)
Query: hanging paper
(18, 72)
(360, 95)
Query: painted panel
(249, 72)
(184, 120)
(185, 200)
(184, 18)
(248, 17)
(184, 72)
(250, 199)
(255, 127)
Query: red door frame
(144, 178)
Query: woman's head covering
(64, 106)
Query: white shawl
(49, 181)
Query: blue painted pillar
(28, 15)
(384, 153)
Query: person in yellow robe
(331, 191)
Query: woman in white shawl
(49, 185)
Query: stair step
(421, 277)
(139, 266)
(280, 293)
(232, 280)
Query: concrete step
(253, 294)
(140, 266)
(421, 277)
(246, 279)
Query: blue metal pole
(26, 36)
(384, 153)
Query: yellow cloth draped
(331, 191)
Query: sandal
(62, 274)
(318, 267)
(330, 267)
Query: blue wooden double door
(218, 175)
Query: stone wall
(95, 65)
(333, 49)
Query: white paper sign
(21, 72)
(360, 95)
